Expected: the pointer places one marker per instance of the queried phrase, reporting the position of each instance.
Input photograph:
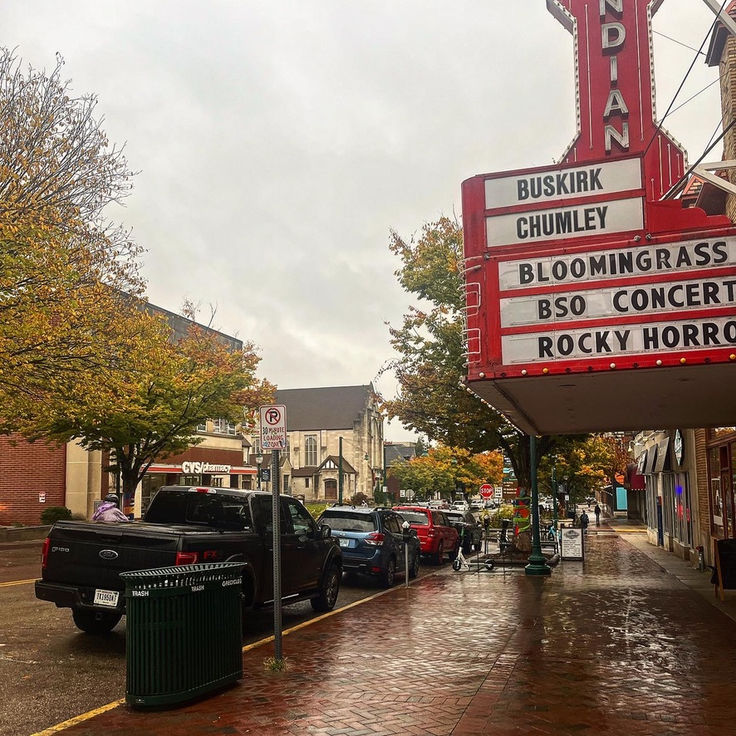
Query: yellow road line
(17, 582)
(102, 709)
(79, 719)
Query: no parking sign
(273, 427)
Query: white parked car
(459, 506)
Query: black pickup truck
(82, 560)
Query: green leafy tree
(171, 387)
(585, 467)
(430, 366)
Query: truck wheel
(95, 622)
(327, 597)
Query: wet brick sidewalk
(614, 645)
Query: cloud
(279, 142)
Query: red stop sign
(486, 490)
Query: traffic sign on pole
(273, 427)
(486, 491)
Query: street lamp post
(259, 462)
(537, 561)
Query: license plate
(344, 542)
(106, 598)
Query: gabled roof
(306, 472)
(331, 407)
(399, 451)
(332, 462)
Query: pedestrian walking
(597, 510)
(584, 522)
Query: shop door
(660, 528)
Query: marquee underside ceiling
(656, 398)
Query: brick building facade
(32, 477)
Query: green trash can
(183, 632)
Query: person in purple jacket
(108, 510)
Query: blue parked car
(372, 540)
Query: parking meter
(406, 528)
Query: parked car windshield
(413, 517)
(455, 516)
(347, 521)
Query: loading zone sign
(273, 427)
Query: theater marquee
(594, 304)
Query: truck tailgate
(94, 553)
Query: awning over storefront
(662, 455)
(635, 479)
(651, 459)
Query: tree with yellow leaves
(68, 277)
(445, 470)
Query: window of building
(223, 426)
(716, 501)
(310, 450)
(202, 427)
(306, 482)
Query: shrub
(55, 513)
(358, 498)
(506, 511)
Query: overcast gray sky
(279, 142)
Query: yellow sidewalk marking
(17, 582)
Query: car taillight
(45, 553)
(186, 558)
(375, 539)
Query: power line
(690, 99)
(679, 43)
(684, 79)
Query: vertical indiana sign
(615, 88)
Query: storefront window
(149, 486)
(716, 501)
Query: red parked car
(436, 535)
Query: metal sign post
(273, 437)
(276, 521)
